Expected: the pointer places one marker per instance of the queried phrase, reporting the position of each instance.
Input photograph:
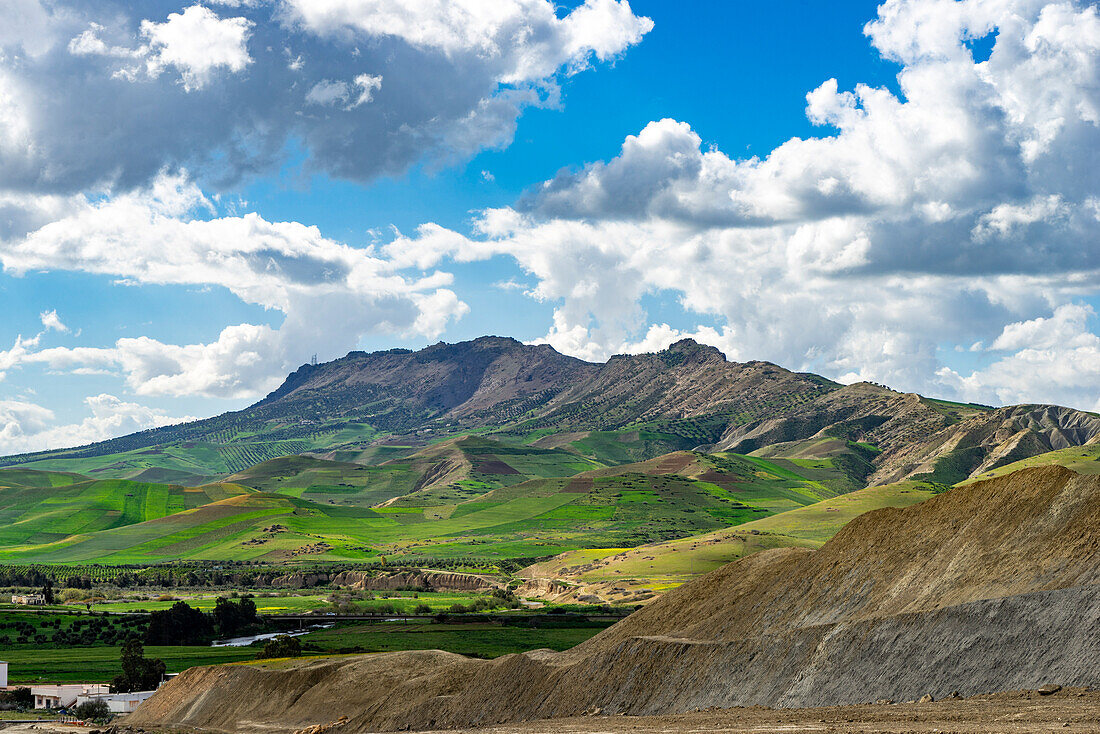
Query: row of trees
(182, 624)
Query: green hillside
(194, 462)
(472, 497)
(670, 563)
(40, 508)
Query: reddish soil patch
(579, 485)
(721, 479)
(493, 466)
(675, 463)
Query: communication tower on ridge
(313, 360)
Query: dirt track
(1020, 712)
(1071, 710)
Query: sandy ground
(1071, 710)
(1024, 712)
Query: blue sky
(915, 222)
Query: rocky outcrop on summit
(686, 381)
(487, 380)
(990, 587)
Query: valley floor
(1020, 712)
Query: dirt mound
(985, 588)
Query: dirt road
(1020, 712)
(1070, 710)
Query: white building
(65, 694)
(28, 599)
(3, 674)
(119, 703)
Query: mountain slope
(370, 408)
(990, 587)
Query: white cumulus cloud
(942, 214)
(155, 236)
(26, 426)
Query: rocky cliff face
(995, 586)
(421, 579)
(389, 581)
(486, 380)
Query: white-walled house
(118, 703)
(3, 674)
(65, 694)
(28, 599)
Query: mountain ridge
(636, 406)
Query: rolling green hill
(38, 508)
(498, 450)
(471, 497)
(620, 574)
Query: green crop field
(486, 640)
(484, 503)
(673, 562)
(31, 664)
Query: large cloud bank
(110, 93)
(953, 220)
(963, 209)
(117, 120)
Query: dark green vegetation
(102, 663)
(94, 710)
(283, 646)
(67, 630)
(139, 673)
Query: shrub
(283, 646)
(19, 698)
(93, 710)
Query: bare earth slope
(985, 588)
(918, 437)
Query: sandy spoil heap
(990, 587)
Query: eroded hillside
(989, 587)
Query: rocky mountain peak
(699, 352)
